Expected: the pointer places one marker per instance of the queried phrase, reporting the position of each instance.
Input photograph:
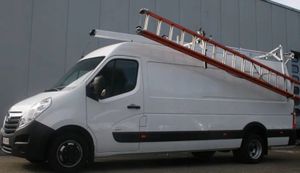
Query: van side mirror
(98, 85)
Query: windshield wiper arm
(52, 89)
(55, 88)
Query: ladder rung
(158, 27)
(213, 51)
(204, 47)
(225, 57)
(260, 70)
(146, 23)
(182, 34)
(243, 65)
(233, 61)
(193, 43)
(251, 69)
(171, 32)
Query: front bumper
(29, 142)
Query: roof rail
(98, 33)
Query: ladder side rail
(173, 24)
(253, 61)
(216, 63)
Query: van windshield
(77, 73)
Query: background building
(41, 39)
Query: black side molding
(130, 137)
(176, 136)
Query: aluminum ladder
(206, 50)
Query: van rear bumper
(29, 142)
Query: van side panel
(189, 98)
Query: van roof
(152, 52)
(128, 49)
(156, 53)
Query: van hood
(26, 104)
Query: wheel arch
(255, 127)
(77, 130)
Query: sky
(292, 3)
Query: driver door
(115, 107)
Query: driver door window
(117, 77)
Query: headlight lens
(35, 111)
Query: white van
(131, 98)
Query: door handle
(133, 106)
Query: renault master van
(131, 98)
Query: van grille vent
(11, 124)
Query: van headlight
(35, 111)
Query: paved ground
(281, 161)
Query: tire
(252, 150)
(204, 155)
(68, 152)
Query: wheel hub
(69, 153)
(255, 149)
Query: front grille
(11, 124)
(6, 149)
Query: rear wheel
(68, 153)
(204, 155)
(252, 149)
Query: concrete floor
(279, 160)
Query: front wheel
(252, 149)
(68, 153)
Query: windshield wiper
(55, 89)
